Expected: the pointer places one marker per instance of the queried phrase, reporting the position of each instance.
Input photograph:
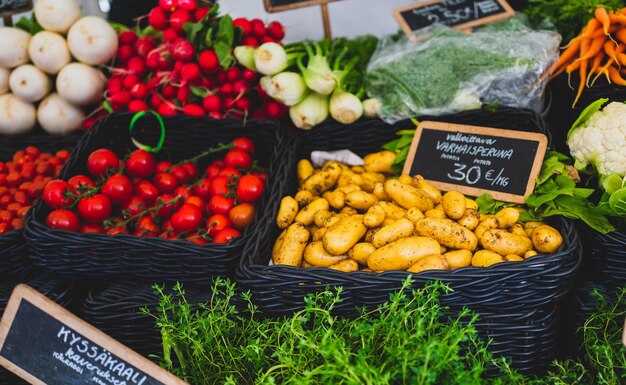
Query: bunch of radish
(183, 64)
(39, 79)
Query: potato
(407, 196)
(370, 179)
(388, 221)
(346, 266)
(470, 204)
(406, 179)
(507, 217)
(432, 191)
(319, 234)
(349, 211)
(323, 180)
(286, 212)
(369, 236)
(513, 258)
(485, 224)
(304, 197)
(292, 247)
(454, 204)
(402, 254)
(518, 229)
(336, 199)
(360, 252)
(379, 162)
(402, 228)
(332, 220)
(349, 177)
(447, 232)
(413, 214)
(505, 243)
(546, 239)
(357, 169)
(374, 216)
(458, 258)
(304, 170)
(360, 200)
(486, 258)
(379, 192)
(321, 216)
(435, 213)
(307, 214)
(530, 226)
(430, 262)
(278, 243)
(470, 219)
(349, 188)
(391, 210)
(344, 234)
(530, 253)
(315, 255)
(306, 265)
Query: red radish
(212, 103)
(221, 78)
(155, 101)
(124, 53)
(178, 66)
(168, 5)
(208, 61)
(267, 39)
(240, 87)
(276, 30)
(250, 41)
(153, 83)
(139, 91)
(144, 45)
(258, 28)
(248, 75)
(170, 35)
(120, 98)
(201, 13)
(215, 115)
(226, 89)
(190, 72)
(130, 80)
(244, 24)
(242, 104)
(165, 63)
(137, 66)
(207, 82)
(189, 5)
(229, 101)
(273, 109)
(178, 18)
(193, 110)
(182, 50)
(137, 105)
(127, 37)
(182, 94)
(169, 92)
(157, 18)
(153, 59)
(233, 74)
(167, 109)
(114, 85)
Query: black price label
(474, 160)
(8, 7)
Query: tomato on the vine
(168, 205)
(219, 186)
(134, 206)
(192, 170)
(212, 171)
(99, 161)
(229, 172)
(220, 205)
(56, 194)
(62, 219)
(226, 235)
(78, 182)
(6, 216)
(217, 223)
(202, 188)
(187, 218)
(244, 144)
(194, 200)
(249, 189)
(238, 158)
(182, 192)
(241, 215)
(91, 228)
(147, 191)
(165, 182)
(94, 209)
(163, 166)
(146, 227)
(140, 164)
(180, 174)
(118, 188)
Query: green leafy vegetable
(29, 24)
(401, 147)
(488, 205)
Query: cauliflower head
(600, 141)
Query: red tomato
(244, 144)
(192, 170)
(249, 189)
(3, 168)
(165, 182)
(44, 168)
(166, 227)
(163, 166)
(4, 228)
(261, 176)
(197, 239)
(202, 188)
(94, 209)
(118, 188)
(180, 174)
(187, 218)
(6, 216)
(194, 200)
(63, 154)
(226, 235)
(182, 192)
(5, 201)
(238, 158)
(140, 164)
(101, 160)
(17, 224)
(147, 191)
(14, 178)
(62, 220)
(21, 213)
(3, 179)
(217, 223)
(55, 194)
(146, 227)
(219, 186)
(28, 171)
(212, 171)
(21, 197)
(219, 205)
(229, 172)
(77, 181)
(134, 206)
(241, 215)
(91, 228)
(168, 205)
(14, 207)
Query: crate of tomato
(181, 213)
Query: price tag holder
(460, 14)
(475, 160)
(45, 344)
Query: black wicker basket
(606, 257)
(13, 256)
(45, 142)
(154, 259)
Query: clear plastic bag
(451, 71)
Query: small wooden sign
(475, 160)
(45, 344)
(460, 14)
(10, 7)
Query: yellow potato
(315, 255)
(369, 236)
(507, 217)
(305, 265)
(470, 219)
(432, 191)
(349, 177)
(430, 262)
(323, 180)
(348, 210)
(518, 229)
(546, 239)
(357, 169)
(292, 247)
(505, 243)
(332, 220)
(370, 179)
(447, 232)
(374, 216)
(336, 199)
(320, 217)
(402, 228)
(388, 221)
(304, 170)
(454, 204)
(304, 197)
(435, 213)
(360, 252)
(379, 192)
(348, 188)
(379, 162)
(391, 210)
(530, 226)
(346, 266)
(458, 258)
(360, 200)
(513, 258)
(485, 224)
(530, 253)
(307, 214)
(278, 243)
(407, 196)
(344, 234)
(319, 234)
(414, 214)
(286, 212)
(406, 179)
(470, 204)
(402, 254)
(486, 258)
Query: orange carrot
(581, 85)
(616, 77)
(591, 26)
(621, 35)
(617, 18)
(609, 48)
(597, 62)
(603, 17)
(565, 57)
(595, 47)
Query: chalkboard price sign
(45, 344)
(8, 7)
(474, 160)
(461, 14)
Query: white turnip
(28, 83)
(16, 116)
(57, 116)
(92, 40)
(4, 80)
(49, 52)
(57, 15)
(80, 84)
(13, 47)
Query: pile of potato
(360, 218)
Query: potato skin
(471, 204)
(344, 234)
(407, 196)
(454, 204)
(307, 214)
(458, 258)
(470, 219)
(374, 217)
(316, 255)
(379, 162)
(507, 217)
(484, 225)
(336, 199)
(402, 254)
(402, 228)
(323, 180)
(392, 211)
(414, 214)
(379, 192)
(292, 247)
(278, 243)
(486, 258)
(321, 216)
(360, 252)
(546, 239)
(286, 212)
(360, 200)
(430, 262)
(432, 191)
(347, 266)
(447, 232)
(505, 243)
(304, 170)
(304, 197)
(435, 213)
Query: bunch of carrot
(598, 50)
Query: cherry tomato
(91, 228)
(226, 235)
(140, 164)
(229, 172)
(6, 216)
(165, 182)
(17, 224)
(219, 205)
(180, 174)
(182, 192)
(163, 166)
(134, 206)
(241, 215)
(219, 186)
(187, 218)
(166, 227)
(44, 168)
(32, 151)
(194, 200)
(101, 160)
(5, 201)
(146, 227)
(14, 178)
(28, 171)
(63, 154)
(217, 223)
(21, 197)
(147, 191)
(244, 144)
(202, 188)
(212, 171)
(63, 220)
(168, 205)
(118, 188)
(249, 189)
(192, 170)
(77, 181)
(14, 208)
(238, 158)
(94, 209)
(55, 194)
(21, 213)
(3, 179)
(197, 239)
(3, 168)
